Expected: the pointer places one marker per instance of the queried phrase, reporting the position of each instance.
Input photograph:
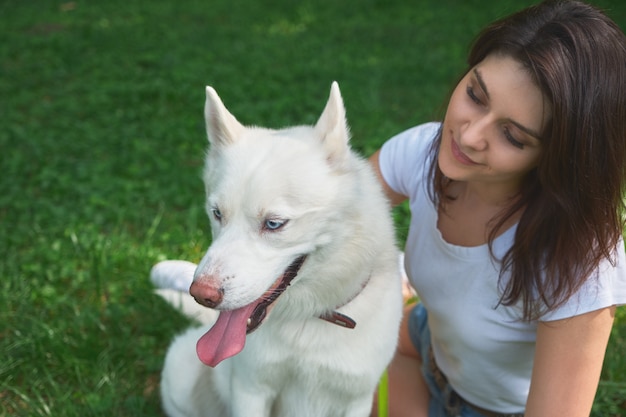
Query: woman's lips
(459, 155)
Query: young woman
(515, 245)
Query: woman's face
(491, 131)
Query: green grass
(102, 140)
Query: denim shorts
(444, 402)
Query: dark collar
(341, 319)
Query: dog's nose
(206, 294)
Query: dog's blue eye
(273, 224)
(216, 213)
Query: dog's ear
(222, 127)
(333, 129)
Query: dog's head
(269, 194)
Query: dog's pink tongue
(227, 336)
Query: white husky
(303, 269)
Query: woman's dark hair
(572, 202)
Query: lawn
(102, 141)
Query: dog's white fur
(332, 209)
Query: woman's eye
(512, 140)
(273, 224)
(472, 95)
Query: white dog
(303, 269)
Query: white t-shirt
(484, 349)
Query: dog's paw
(174, 275)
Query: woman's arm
(394, 198)
(568, 361)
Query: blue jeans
(444, 402)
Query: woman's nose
(474, 134)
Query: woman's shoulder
(423, 133)
(403, 159)
(412, 143)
